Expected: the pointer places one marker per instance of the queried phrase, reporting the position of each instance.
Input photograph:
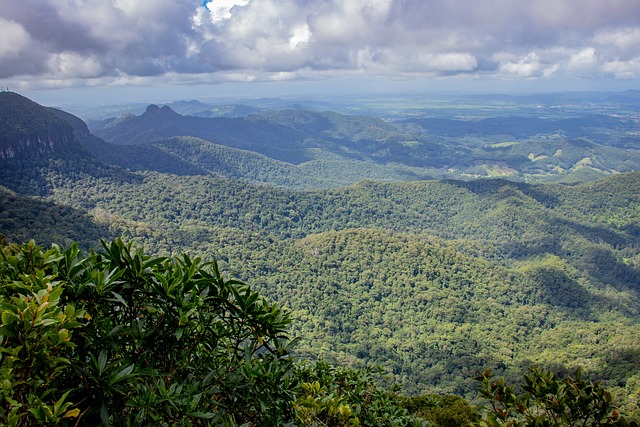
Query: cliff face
(33, 145)
(28, 129)
(80, 129)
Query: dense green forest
(517, 283)
(448, 276)
(430, 280)
(117, 337)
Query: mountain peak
(151, 109)
(28, 128)
(167, 110)
(164, 111)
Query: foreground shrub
(341, 396)
(548, 401)
(158, 341)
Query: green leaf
(7, 331)
(57, 407)
(104, 415)
(102, 361)
(195, 400)
(122, 374)
(119, 298)
(69, 311)
(9, 317)
(178, 333)
(203, 415)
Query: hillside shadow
(141, 157)
(483, 187)
(38, 175)
(597, 259)
(23, 218)
(602, 264)
(554, 287)
(595, 234)
(621, 363)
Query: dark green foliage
(121, 338)
(549, 401)
(35, 346)
(24, 218)
(443, 411)
(140, 157)
(218, 160)
(505, 282)
(339, 396)
(162, 341)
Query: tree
(341, 396)
(444, 411)
(35, 341)
(548, 402)
(157, 341)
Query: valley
(434, 239)
(544, 138)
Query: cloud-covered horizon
(79, 42)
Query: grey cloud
(29, 64)
(43, 21)
(527, 38)
(134, 40)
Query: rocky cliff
(28, 129)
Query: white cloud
(220, 10)
(14, 38)
(349, 21)
(451, 62)
(625, 41)
(239, 77)
(526, 66)
(623, 69)
(68, 64)
(280, 39)
(583, 62)
(300, 35)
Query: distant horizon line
(96, 96)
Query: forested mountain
(430, 279)
(162, 122)
(36, 140)
(551, 144)
(30, 130)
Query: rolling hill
(430, 279)
(558, 146)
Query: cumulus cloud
(14, 38)
(623, 69)
(221, 9)
(623, 42)
(584, 62)
(245, 40)
(123, 36)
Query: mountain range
(431, 279)
(326, 149)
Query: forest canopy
(118, 337)
(394, 293)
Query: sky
(100, 50)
